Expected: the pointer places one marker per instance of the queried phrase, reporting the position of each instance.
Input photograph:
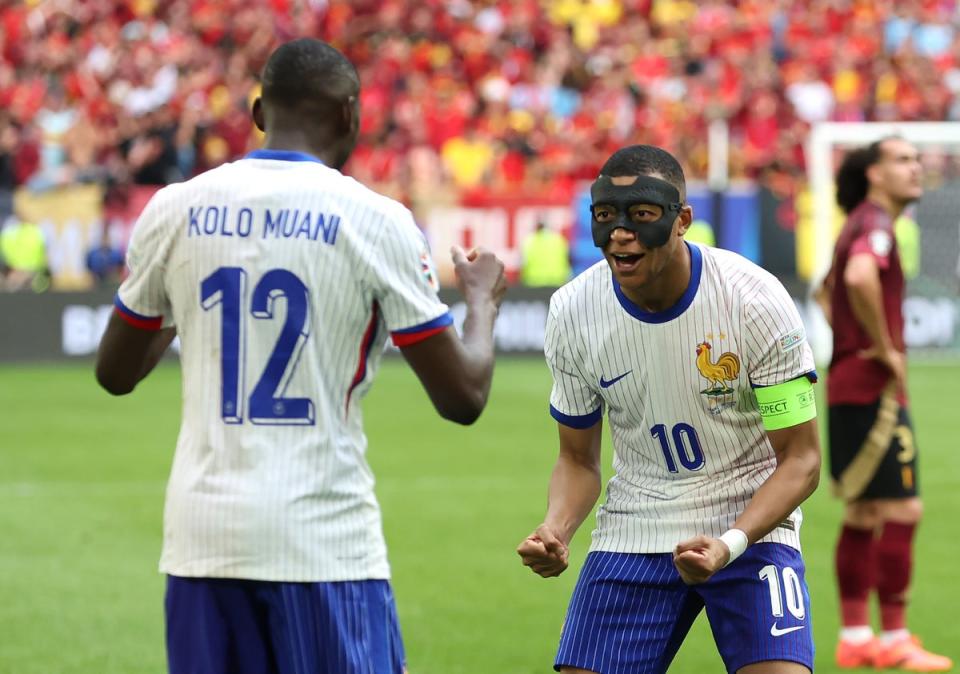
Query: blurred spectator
(898, 26)
(105, 260)
(701, 231)
(546, 258)
(9, 139)
(150, 149)
(519, 96)
(933, 37)
(23, 253)
(812, 98)
(54, 121)
(468, 159)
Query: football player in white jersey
(283, 279)
(700, 361)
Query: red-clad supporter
(539, 89)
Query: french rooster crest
(725, 369)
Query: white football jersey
(283, 278)
(689, 445)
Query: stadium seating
(468, 96)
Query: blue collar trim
(282, 155)
(696, 269)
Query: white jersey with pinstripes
(689, 445)
(283, 278)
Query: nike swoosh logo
(777, 632)
(608, 384)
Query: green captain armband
(788, 404)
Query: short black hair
(308, 70)
(644, 160)
(852, 183)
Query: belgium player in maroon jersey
(873, 457)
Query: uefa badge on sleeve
(880, 242)
(791, 340)
(429, 273)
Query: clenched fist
(698, 558)
(544, 552)
(479, 273)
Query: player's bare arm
(862, 279)
(127, 354)
(457, 373)
(574, 490)
(796, 476)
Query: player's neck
(893, 208)
(297, 141)
(668, 287)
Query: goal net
(928, 235)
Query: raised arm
(574, 489)
(457, 373)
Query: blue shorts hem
(738, 665)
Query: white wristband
(736, 541)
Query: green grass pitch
(81, 489)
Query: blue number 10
(227, 286)
(687, 446)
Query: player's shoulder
(354, 197)
(366, 211)
(169, 195)
(374, 210)
(311, 177)
(737, 272)
(188, 191)
(156, 219)
(196, 190)
(868, 216)
(582, 289)
(225, 173)
(367, 200)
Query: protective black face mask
(644, 190)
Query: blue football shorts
(631, 612)
(227, 626)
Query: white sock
(860, 634)
(892, 636)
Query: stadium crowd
(460, 96)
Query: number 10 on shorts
(789, 589)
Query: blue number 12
(227, 286)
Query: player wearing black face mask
(639, 220)
(617, 199)
(667, 350)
